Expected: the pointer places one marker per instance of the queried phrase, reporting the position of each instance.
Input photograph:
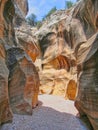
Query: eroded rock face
(30, 78)
(19, 82)
(58, 58)
(27, 41)
(71, 89)
(23, 31)
(5, 110)
(73, 34)
(23, 6)
(23, 82)
(87, 99)
(21, 9)
(5, 41)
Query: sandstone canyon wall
(87, 62)
(21, 9)
(19, 82)
(68, 42)
(59, 74)
(23, 6)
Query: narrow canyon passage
(48, 66)
(52, 113)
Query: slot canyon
(54, 66)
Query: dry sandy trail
(53, 113)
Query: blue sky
(41, 7)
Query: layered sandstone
(58, 58)
(27, 42)
(5, 110)
(68, 40)
(5, 42)
(21, 9)
(23, 6)
(19, 82)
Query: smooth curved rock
(87, 99)
(23, 82)
(75, 30)
(54, 82)
(58, 56)
(5, 110)
(27, 42)
(19, 82)
(87, 53)
(5, 38)
(71, 90)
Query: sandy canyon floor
(52, 113)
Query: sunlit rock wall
(68, 42)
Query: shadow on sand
(46, 118)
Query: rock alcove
(60, 58)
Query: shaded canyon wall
(19, 82)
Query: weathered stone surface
(19, 63)
(27, 41)
(76, 30)
(68, 40)
(21, 9)
(5, 38)
(87, 99)
(58, 59)
(23, 6)
(23, 82)
(71, 90)
(55, 82)
(19, 81)
(5, 110)
(30, 76)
